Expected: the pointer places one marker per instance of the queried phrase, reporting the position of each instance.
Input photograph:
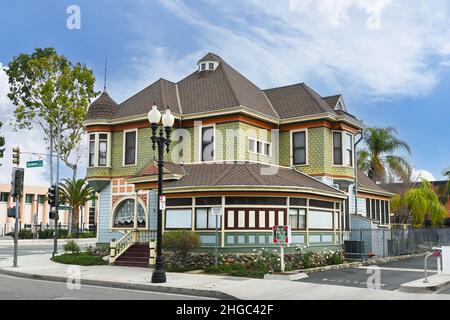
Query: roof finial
(106, 69)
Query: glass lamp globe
(168, 119)
(154, 116)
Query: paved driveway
(392, 274)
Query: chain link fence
(368, 243)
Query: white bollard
(439, 269)
(445, 260)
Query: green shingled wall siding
(319, 149)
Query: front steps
(136, 256)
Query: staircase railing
(130, 238)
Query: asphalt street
(392, 274)
(27, 249)
(12, 288)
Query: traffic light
(16, 156)
(17, 182)
(51, 196)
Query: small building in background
(34, 210)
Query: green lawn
(80, 259)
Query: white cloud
(28, 141)
(328, 42)
(419, 175)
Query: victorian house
(265, 157)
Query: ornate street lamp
(161, 141)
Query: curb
(120, 285)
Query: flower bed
(255, 264)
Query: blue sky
(392, 69)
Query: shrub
(72, 246)
(25, 234)
(181, 243)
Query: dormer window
(208, 65)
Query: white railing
(120, 246)
(130, 238)
(145, 236)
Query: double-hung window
(99, 149)
(297, 219)
(4, 196)
(349, 150)
(91, 150)
(337, 148)
(130, 148)
(299, 147)
(343, 149)
(204, 219)
(103, 150)
(207, 147)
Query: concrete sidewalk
(213, 286)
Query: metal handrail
(435, 253)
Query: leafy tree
(422, 203)
(75, 193)
(379, 159)
(44, 82)
(444, 190)
(2, 144)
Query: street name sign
(35, 164)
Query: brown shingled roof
(332, 100)
(365, 182)
(221, 89)
(102, 108)
(297, 100)
(161, 92)
(239, 174)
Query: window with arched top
(124, 215)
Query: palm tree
(378, 159)
(75, 193)
(422, 203)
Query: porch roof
(234, 175)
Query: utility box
(446, 260)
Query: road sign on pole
(281, 235)
(217, 212)
(162, 202)
(35, 164)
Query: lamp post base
(159, 276)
